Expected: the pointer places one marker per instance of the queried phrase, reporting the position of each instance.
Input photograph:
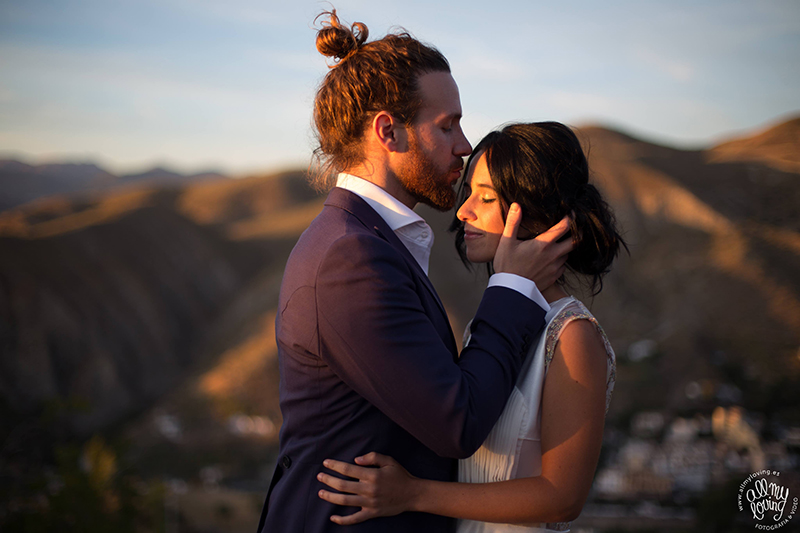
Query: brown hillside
(21, 183)
(777, 146)
(113, 300)
(711, 276)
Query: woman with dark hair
(535, 469)
(542, 167)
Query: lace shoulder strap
(577, 311)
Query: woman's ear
(390, 133)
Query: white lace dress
(513, 448)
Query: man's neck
(385, 179)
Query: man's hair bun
(364, 78)
(337, 41)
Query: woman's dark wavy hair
(542, 167)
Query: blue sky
(197, 84)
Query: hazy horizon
(171, 166)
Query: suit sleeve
(375, 334)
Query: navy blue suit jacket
(368, 362)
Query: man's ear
(390, 133)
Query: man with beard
(368, 361)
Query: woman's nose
(464, 213)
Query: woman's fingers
(349, 470)
(375, 459)
(381, 491)
(349, 500)
(340, 484)
(354, 518)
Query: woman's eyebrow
(485, 186)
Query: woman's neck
(553, 293)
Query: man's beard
(424, 182)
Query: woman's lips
(468, 235)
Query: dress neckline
(557, 305)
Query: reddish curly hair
(365, 78)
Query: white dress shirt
(410, 228)
(417, 236)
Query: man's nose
(462, 147)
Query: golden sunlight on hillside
(276, 224)
(659, 197)
(64, 219)
(782, 238)
(733, 254)
(238, 199)
(214, 202)
(237, 365)
(776, 146)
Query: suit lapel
(354, 204)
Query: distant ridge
(778, 146)
(21, 183)
(162, 175)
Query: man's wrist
(522, 285)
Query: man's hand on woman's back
(541, 260)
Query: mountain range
(21, 183)
(123, 296)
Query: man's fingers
(556, 232)
(512, 221)
(562, 249)
(561, 270)
(561, 263)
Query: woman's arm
(573, 412)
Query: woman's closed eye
(488, 199)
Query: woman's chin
(477, 257)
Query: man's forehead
(439, 94)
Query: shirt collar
(391, 210)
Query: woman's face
(481, 214)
